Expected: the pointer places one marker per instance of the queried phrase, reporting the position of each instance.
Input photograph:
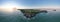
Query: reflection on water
(17, 16)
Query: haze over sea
(17, 16)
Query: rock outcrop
(29, 13)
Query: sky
(29, 3)
(8, 5)
(32, 2)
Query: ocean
(17, 16)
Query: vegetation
(31, 11)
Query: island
(29, 13)
(54, 10)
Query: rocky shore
(29, 13)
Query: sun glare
(8, 7)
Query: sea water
(17, 16)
